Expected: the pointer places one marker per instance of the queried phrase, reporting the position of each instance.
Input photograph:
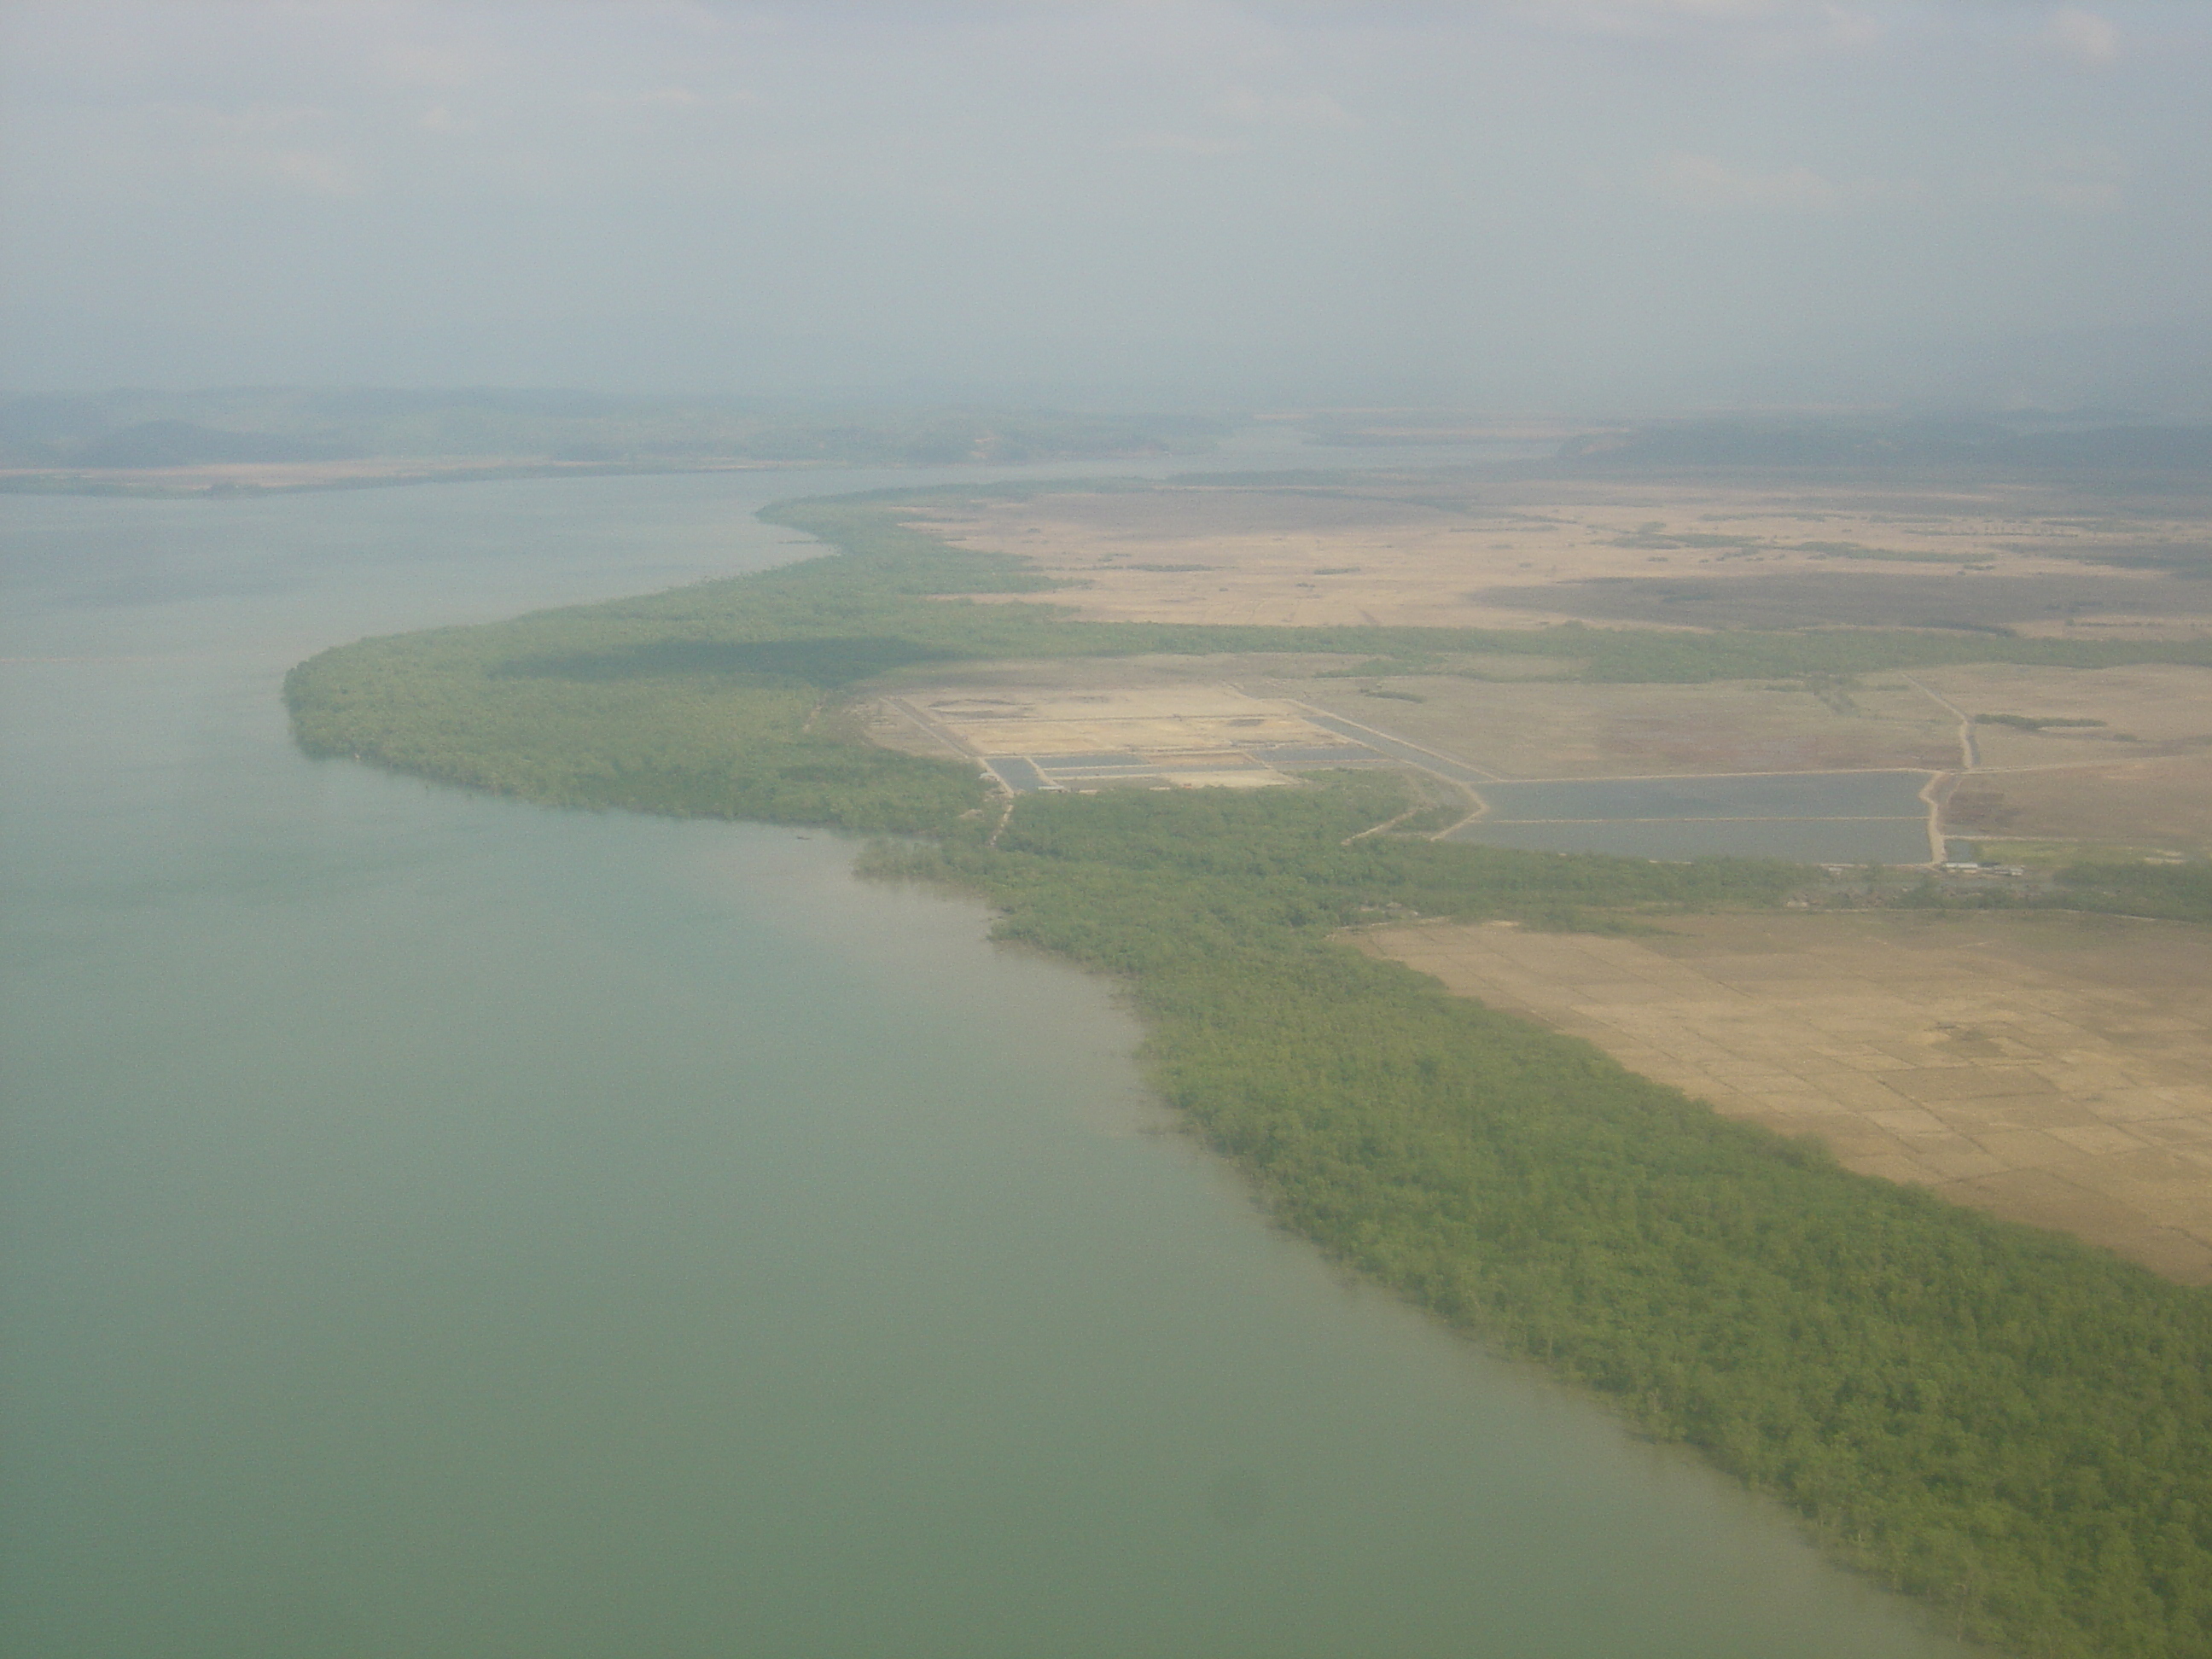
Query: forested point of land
(2010, 1424)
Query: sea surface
(437, 1228)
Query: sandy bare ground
(2143, 779)
(1005, 720)
(1424, 551)
(1086, 735)
(2055, 1070)
(2140, 776)
(1563, 729)
(1432, 550)
(2160, 806)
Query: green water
(440, 1229)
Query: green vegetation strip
(2013, 1426)
(2158, 892)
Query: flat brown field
(1453, 551)
(2052, 1069)
(2164, 805)
(1086, 735)
(2141, 777)
(2061, 786)
(1567, 729)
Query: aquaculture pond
(1819, 817)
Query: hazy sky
(1537, 204)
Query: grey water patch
(1017, 774)
(1105, 764)
(1313, 756)
(1237, 1498)
(1811, 840)
(1397, 748)
(1757, 795)
(1820, 817)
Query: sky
(1524, 205)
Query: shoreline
(246, 481)
(1723, 1288)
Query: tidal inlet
(1197, 832)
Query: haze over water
(440, 1227)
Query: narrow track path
(1969, 752)
(1937, 794)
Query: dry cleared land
(2117, 757)
(1031, 732)
(2113, 754)
(2053, 1069)
(1424, 551)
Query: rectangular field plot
(1832, 817)
(1177, 737)
(2052, 1069)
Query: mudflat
(2053, 1069)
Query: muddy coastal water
(440, 1228)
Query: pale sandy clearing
(1177, 735)
(2054, 1070)
(1424, 550)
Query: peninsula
(2001, 1418)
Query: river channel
(438, 1227)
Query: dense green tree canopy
(2015, 1426)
